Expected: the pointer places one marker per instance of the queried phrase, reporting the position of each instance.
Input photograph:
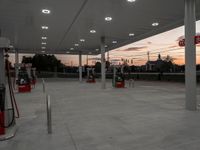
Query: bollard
(49, 121)
(131, 83)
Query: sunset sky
(165, 43)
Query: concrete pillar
(103, 63)
(16, 63)
(190, 55)
(2, 67)
(80, 67)
(87, 60)
(108, 56)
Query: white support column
(103, 63)
(2, 67)
(16, 63)
(80, 67)
(190, 55)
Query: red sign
(182, 42)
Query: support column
(80, 67)
(103, 63)
(87, 60)
(2, 67)
(108, 56)
(190, 55)
(16, 63)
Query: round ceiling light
(44, 38)
(131, 1)
(93, 31)
(43, 47)
(46, 11)
(108, 19)
(72, 49)
(155, 24)
(76, 45)
(114, 42)
(131, 34)
(43, 51)
(45, 27)
(97, 49)
(82, 40)
(44, 43)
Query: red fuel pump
(24, 81)
(118, 78)
(4, 125)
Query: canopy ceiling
(72, 20)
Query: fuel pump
(90, 75)
(24, 80)
(8, 110)
(118, 77)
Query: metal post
(43, 85)
(103, 63)
(190, 55)
(80, 67)
(49, 120)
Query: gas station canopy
(71, 26)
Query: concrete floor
(150, 116)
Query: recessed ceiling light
(46, 11)
(76, 45)
(43, 47)
(155, 24)
(97, 49)
(131, 1)
(11, 46)
(43, 43)
(82, 40)
(45, 27)
(72, 49)
(108, 19)
(67, 52)
(93, 31)
(114, 42)
(44, 38)
(131, 34)
(106, 46)
(43, 51)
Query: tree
(98, 67)
(44, 62)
